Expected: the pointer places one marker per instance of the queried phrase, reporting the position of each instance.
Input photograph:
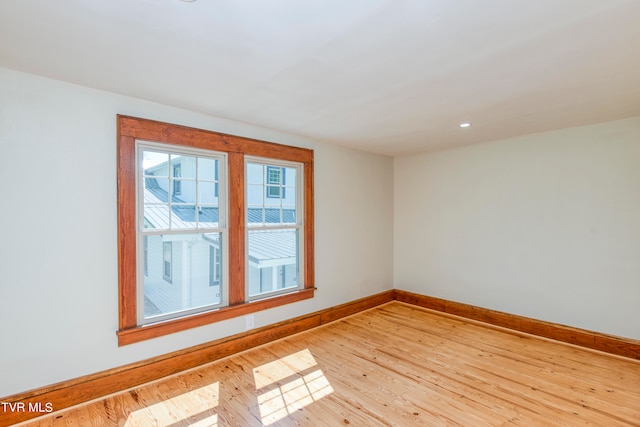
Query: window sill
(154, 330)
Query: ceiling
(389, 76)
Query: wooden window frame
(131, 129)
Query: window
(177, 184)
(210, 226)
(215, 266)
(275, 178)
(166, 260)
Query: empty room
(320, 213)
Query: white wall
(58, 280)
(545, 226)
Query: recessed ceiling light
(465, 124)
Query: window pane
(208, 217)
(272, 216)
(255, 174)
(207, 194)
(271, 195)
(157, 188)
(290, 176)
(156, 208)
(289, 215)
(155, 163)
(186, 192)
(207, 169)
(273, 261)
(156, 216)
(254, 216)
(181, 273)
(183, 216)
(255, 195)
(185, 166)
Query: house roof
(272, 245)
(388, 76)
(264, 245)
(183, 216)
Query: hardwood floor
(394, 365)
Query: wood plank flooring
(394, 365)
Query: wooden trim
(126, 232)
(154, 330)
(74, 392)
(237, 259)
(151, 130)
(129, 130)
(594, 340)
(77, 391)
(309, 244)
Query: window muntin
(178, 231)
(274, 238)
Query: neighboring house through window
(274, 229)
(186, 226)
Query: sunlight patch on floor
(289, 384)
(196, 407)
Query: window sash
(168, 267)
(273, 172)
(174, 151)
